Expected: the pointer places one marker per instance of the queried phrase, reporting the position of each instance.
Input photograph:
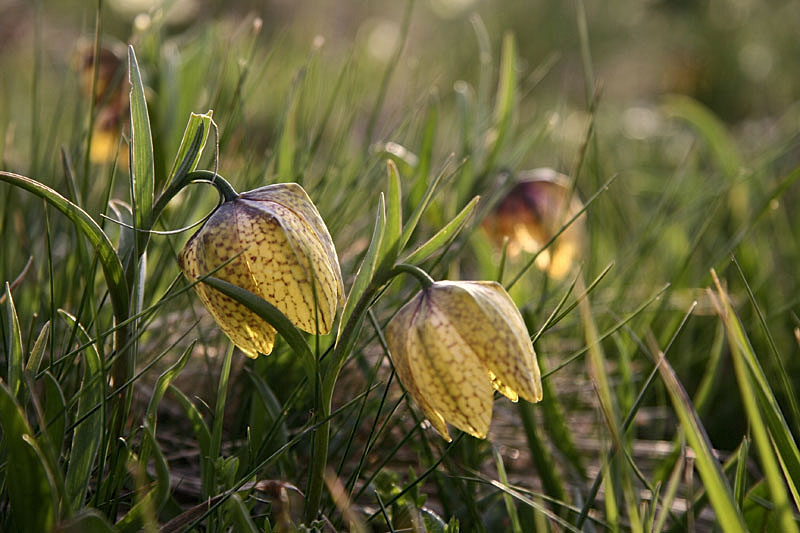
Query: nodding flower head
(455, 343)
(535, 209)
(272, 242)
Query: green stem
(404, 268)
(331, 374)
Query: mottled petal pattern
(398, 337)
(276, 246)
(453, 344)
(501, 337)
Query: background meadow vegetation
(670, 352)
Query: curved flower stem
(404, 268)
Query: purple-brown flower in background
(535, 209)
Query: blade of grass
(367, 269)
(13, 346)
(210, 483)
(30, 492)
(785, 383)
(142, 159)
(765, 443)
(442, 237)
(87, 436)
(112, 266)
(394, 214)
(719, 492)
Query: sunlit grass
(667, 349)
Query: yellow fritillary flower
(454, 344)
(278, 248)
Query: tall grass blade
(423, 168)
(87, 436)
(728, 514)
(109, 260)
(210, 482)
(368, 267)
(13, 346)
(37, 352)
(155, 498)
(394, 214)
(505, 103)
(55, 411)
(444, 236)
(142, 159)
(785, 382)
(710, 128)
(741, 351)
(30, 492)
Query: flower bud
(532, 213)
(276, 246)
(453, 344)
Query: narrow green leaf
(210, 484)
(444, 236)
(143, 164)
(784, 442)
(420, 181)
(669, 494)
(394, 215)
(511, 509)
(30, 492)
(37, 352)
(13, 346)
(87, 436)
(161, 386)
(156, 497)
(506, 93)
(201, 433)
(784, 382)
(87, 521)
(192, 144)
(761, 434)
(367, 268)
(265, 412)
(717, 487)
(740, 480)
(55, 410)
(287, 146)
(109, 260)
(413, 220)
(164, 381)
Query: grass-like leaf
(444, 236)
(142, 159)
(367, 269)
(29, 489)
(87, 436)
(719, 491)
(742, 352)
(394, 214)
(13, 346)
(109, 260)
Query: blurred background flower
(532, 213)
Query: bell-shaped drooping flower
(455, 343)
(530, 215)
(272, 242)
